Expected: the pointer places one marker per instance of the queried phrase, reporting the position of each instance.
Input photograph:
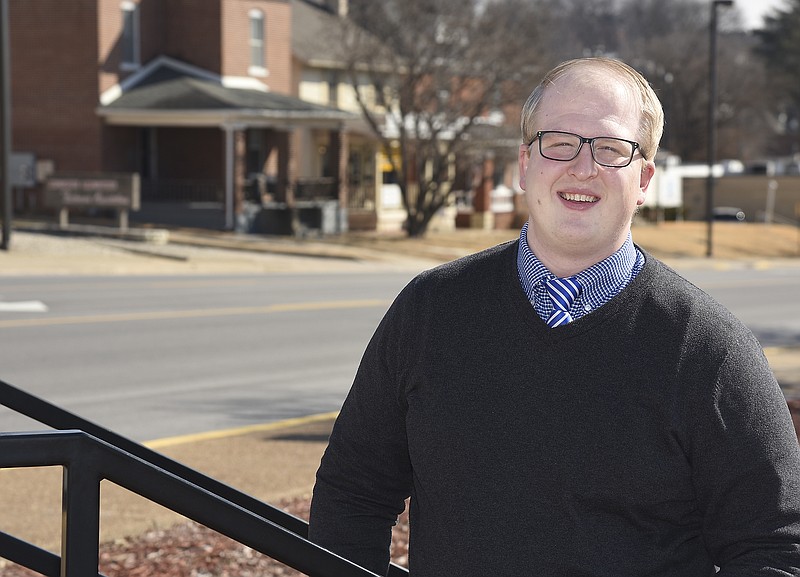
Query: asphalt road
(151, 357)
(765, 298)
(154, 357)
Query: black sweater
(647, 438)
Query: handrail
(88, 460)
(60, 419)
(30, 556)
(57, 418)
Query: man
(614, 422)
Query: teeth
(578, 197)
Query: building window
(333, 89)
(257, 61)
(130, 37)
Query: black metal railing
(322, 188)
(89, 454)
(27, 555)
(182, 190)
(361, 196)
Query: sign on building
(65, 191)
(22, 169)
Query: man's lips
(578, 197)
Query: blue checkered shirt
(600, 282)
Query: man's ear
(524, 159)
(645, 178)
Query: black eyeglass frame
(590, 141)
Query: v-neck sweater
(648, 437)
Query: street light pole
(5, 125)
(712, 121)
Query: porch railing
(89, 453)
(182, 190)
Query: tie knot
(562, 292)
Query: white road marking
(23, 307)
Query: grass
(730, 240)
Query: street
(150, 357)
(158, 356)
(764, 298)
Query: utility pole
(5, 125)
(712, 121)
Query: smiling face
(581, 212)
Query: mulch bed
(192, 550)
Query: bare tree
(669, 43)
(427, 72)
(779, 46)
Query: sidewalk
(86, 252)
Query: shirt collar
(599, 282)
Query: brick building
(199, 97)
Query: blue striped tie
(563, 292)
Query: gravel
(192, 550)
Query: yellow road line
(225, 433)
(196, 313)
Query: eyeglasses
(606, 150)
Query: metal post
(5, 125)
(769, 210)
(230, 177)
(80, 518)
(712, 121)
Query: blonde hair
(651, 125)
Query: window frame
(130, 36)
(257, 23)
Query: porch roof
(165, 97)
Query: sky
(753, 10)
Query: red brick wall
(109, 27)
(193, 32)
(66, 54)
(54, 82)
(152, 35)
(277, 41)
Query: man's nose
(583, 165)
